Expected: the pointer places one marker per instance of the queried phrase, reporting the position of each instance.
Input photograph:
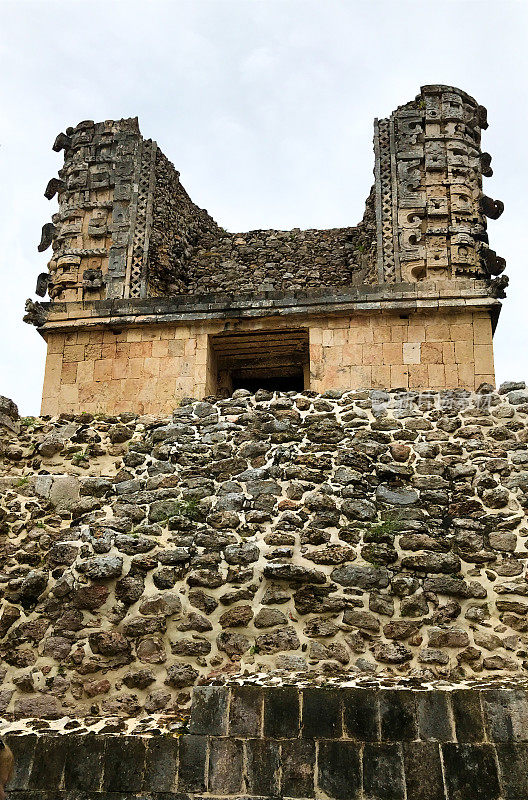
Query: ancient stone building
(318, 593)
(151, 301)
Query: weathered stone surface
(323, 577)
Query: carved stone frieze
(430, 206)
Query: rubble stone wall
(368, 532)
(347, 744)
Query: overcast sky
(265, 107)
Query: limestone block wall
(342, 534)
(149, 369)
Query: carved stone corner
(498, 286)
(35, 313)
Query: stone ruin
(152, 301)
(269, 544)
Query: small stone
(392, 653)
(396, 497)
(282, 639)
(139, 679)
(362, 620)
(102, 568)
(237, 617)
(447, 637)
(429, 655)
(269, 617)
(180, 675)
(233, 643)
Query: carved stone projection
(429, 202)
(100, 234)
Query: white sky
(266, 108)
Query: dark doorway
(272, 383)
(275, 360)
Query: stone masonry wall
(346, 533)
(150, 369)
(254, 742)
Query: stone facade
(143, 278)
(295, 534)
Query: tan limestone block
(49, 406)
(416, 332)
(361, 335)
(484, 359)
(69, 372)
(399, 333)
(103, 369)
(466, 376)
(431, 352)
(184, 387)
(418, 376)
(464, 352)
(482, 330)
(55, 343)
(332, 356)
(135, 367)
(382, 335)
(140, 349)
(392, 353)
(360, 377)
(329, 380)
(328, 338)
(122, 350)
(352, 353)
(70, 338)
(119, 368)
(399, 377)
(316, 336)
(85, 371)
(181, 332)
(460, 332)
(187, 367)
(381, 376)
(451, 376)
(160, 349)
(93, 351)
(411, 353)
(372, 354)
(437, 332)
(74, 352)
(133, 335)
(109, 350)
(201, 356)
(189, 348)
(150, 334)
(448, 352)
(69, 397)
(54, 362)
(170, 368)
(151, 367)
(176, 347)
(484, 379)
(340, 336)
(436, 376)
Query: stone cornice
(402, 298)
